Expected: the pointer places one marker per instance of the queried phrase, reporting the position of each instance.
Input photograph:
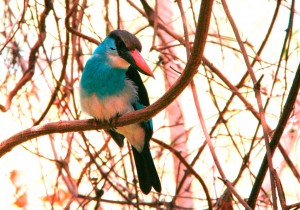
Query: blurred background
(43, 48)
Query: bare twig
(288, 107)
(259, 100)
(32, 57)
(72, 30)
(18, 26)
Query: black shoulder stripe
(134, 76)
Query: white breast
(109, 106)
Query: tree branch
(288, 107)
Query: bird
(111, 86)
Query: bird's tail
(146, 171)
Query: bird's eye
(113, 48)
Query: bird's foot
(112, 121)
(96, 122)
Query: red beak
(141, 63)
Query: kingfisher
(111, 86)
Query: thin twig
(32, 57)
(18, 26)
(258, 98)
(72, 30)
(189, 168)
(287, 110)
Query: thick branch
(288, 108)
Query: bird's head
(123, 49)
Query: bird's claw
(95, 123)
(112, 121)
